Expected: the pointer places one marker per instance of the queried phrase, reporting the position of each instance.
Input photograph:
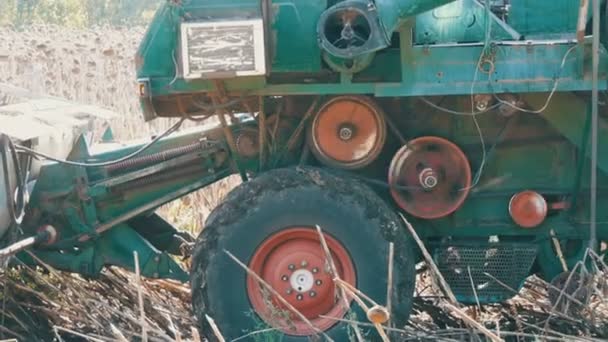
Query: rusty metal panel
(223, 49)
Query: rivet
(312, 293)
(318, 282)
(304, 263)
(155, 275)
(315, 270)
(157, 258)
(289, 291)
(299, 297)
(291, 267)
(284, 278)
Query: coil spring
(154, 158)
(177, 173)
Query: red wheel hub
(292, 261)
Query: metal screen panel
(465, 266)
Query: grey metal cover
(51, 125)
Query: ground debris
(39, 304)
(525, 317)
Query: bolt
(318, 282)
(304, 263)
(430, 182)
(312, 293)
(299, 297)
(315, 270)
(284, 278)
(289, 291)
(346, 133)
(291, 267)
(428, 178)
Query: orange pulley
(348, 132)
(430, 177)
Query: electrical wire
(500, 101)
(484, 152)
(455, 112)
(549, 98)
(212, 107)
(176, 67)
(374, 181)
(26, 150)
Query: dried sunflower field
(92, 66)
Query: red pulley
(528, 209)
(430, 177)
(348, 132)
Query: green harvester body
(451, 54)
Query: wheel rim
(292, 261)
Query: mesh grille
(508, 263)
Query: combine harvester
(480, 122)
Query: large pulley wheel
(430, 177)
(273, 232)
(348, 132)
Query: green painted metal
(292, 26)
(461, 22)
(392, 12)
(295, 58)
(94, 208)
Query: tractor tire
(271, 219)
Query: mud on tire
(346, 210)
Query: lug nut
(312, 293)
(284, 278)
(315, 270)
(299, 297)
(318, 282)
(291, 267)
(304, 263)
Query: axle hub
(291, 261)
(428, 178)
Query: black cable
(16, 206)
(455, 112)
(375, 181)
(214, 107)
(172, 129)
